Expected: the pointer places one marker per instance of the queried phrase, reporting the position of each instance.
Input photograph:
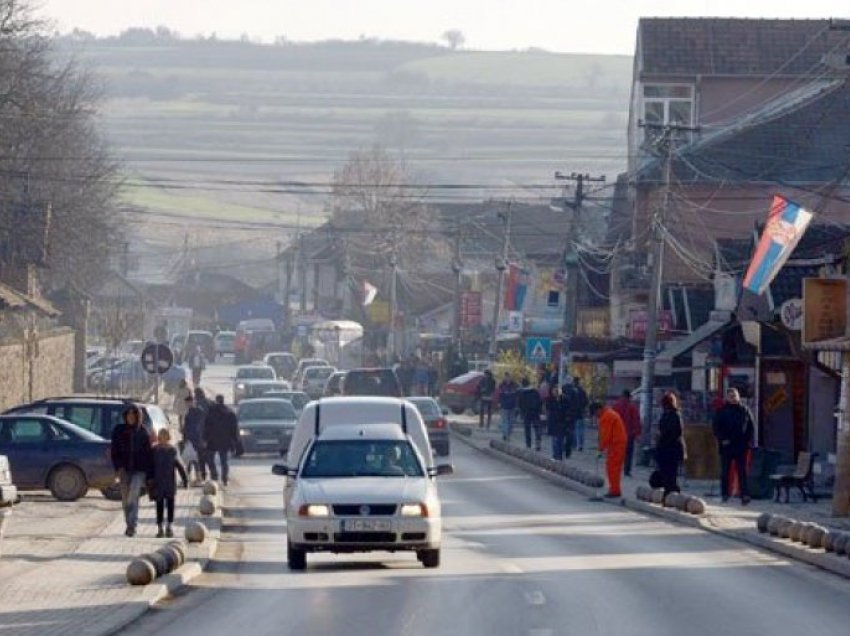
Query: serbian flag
(369, 293)
(786, 224)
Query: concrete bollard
(762, 521)
(839, 544)
(180, 550)
(140, 572)
(207, 505)
(196, 532)
(160, 565)
(643, 493)
(696, 506)
(794, 530)
(657, 496)
(210, 488)
(815, 536)
(774, 524)
(804, 533)
(172, 558)
(827, 541)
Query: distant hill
(217, 118)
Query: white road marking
(535, 598)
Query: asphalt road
(520, 556)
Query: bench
(802, 478)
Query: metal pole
(391, 349)
(457, 268)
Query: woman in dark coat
(164, 486)
(670, 448)
(556, 423)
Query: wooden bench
(802, 478)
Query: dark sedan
(435, 420)
(46, 452)
(266, 425)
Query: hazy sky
(606, 26)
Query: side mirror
(442, 469)
(280, 470)
(444, 411)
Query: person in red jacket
(612, 442)
(629, 413)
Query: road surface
(520, 556)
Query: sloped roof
(733, 46)
(13, 299)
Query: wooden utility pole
(457, 269)
(667, 143)
(501, 265)
(571, 266)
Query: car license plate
(366, 525)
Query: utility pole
(501, 266)
(302, 274)
(571, 266)
(391, 348)
(667, 143)
(457, 269)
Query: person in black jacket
(530, 407)
(132, 460)
(165, 462)
(735, 432)
(486, 388)
(221, 435)
(670, 447)
(557, 424)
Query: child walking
(165, 462)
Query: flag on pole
(369, 293)
(786, 224)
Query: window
(668, 104)
(355, 458)
(26, 431)
(553, 299)
(85, 417)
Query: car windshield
(247, 373)
(362, 458)
(299, 400)
(428, 407)
(372, 382)
(318, 373)
(267, 410)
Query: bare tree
(53, 154)
(454, 38)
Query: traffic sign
(157, 358)
(538, 350)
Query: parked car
(126, 376)
(224, 342)
(259, 388)
(378, 382)
(314, 380)
(202, 339)
(8, 490)
(304, 363)
(266, 424)
(461, 393)
(435, 419)
(333, 385)
(250, 372)
(282, 362)
(299, 399)
(46, 452)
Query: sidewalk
(63, 564)
(729, 516)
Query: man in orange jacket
(612, 441)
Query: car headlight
(240, 387)
(314, 510)
(243, 432)
(414, 510)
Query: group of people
(418, 376)
(209, 430)
(565, 410)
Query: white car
(315, 379)
(361, 478)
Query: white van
(360, 477)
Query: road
(520, 556)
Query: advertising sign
(470, 309)
(824, 309)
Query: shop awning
(835, 344)
(679, 347)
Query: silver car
(266, 424)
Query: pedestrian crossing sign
(538, 350)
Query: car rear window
(428, 408)
(372, 382)
(258, 373)
(267, 410)
(318, 373)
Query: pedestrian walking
(195, 451)
(580, 410)
(670, 446)
(180, 406)
(612, 442)
(197, 362)
(221, 434)
(530, 408)
(486, 388)
(556, 424)
(507, 405)
(734, 429)
(166, 462)
(201, 400)
(630, 414)
(132, 460)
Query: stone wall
(42, 368)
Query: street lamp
(501, 266)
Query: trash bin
(763, 464)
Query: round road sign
(157, 358)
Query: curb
(783, 547)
